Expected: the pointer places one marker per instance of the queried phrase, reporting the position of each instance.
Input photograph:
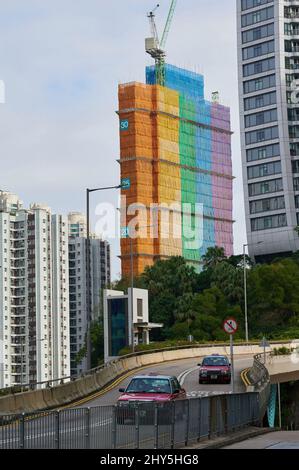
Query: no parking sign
(230, 326)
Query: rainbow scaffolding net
(177, 151)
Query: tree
(213, 256)
(212, 308)
(169, 283)
(97, 342)
(273, 299)
(97, 345)
(238, 261)
(230, 280)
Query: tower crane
(156, 48)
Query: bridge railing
(260, 382)
(132, 425)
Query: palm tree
(213, 256)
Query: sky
(62, 61)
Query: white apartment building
(34, 293)
(268, 57)
(100, 278)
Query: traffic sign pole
(265, 344)
(232, 361)
(230, 326)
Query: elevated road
(186, 370)
(41, 431)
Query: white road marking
(182, 377)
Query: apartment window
(291, 29)
(247, 4)
(295, 166)
(294, 132)
(294, 149)
(266, 99)
(256, 51)
(296, 184)
(297, 202)
(258, 33)
(266, 205)
(267, 169)
(265, 187)
(293, 114)
(258, 84)
(254, 137)
(257, 16)
(290, 78)
(292, 63)
(269, 222)
(258, 119)
(291, 46)
(260, 66)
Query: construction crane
(156, 48)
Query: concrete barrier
(69, 392)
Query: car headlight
(203, 372)
(225, 372)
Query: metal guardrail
(132, 426)
(259, 374)
(260, 381)
(60, 381)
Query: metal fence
(133, 425)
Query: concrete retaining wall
(67, 393)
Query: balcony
(291, 12)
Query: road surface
(187, 371)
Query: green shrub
(282, 351)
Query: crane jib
(168, 24)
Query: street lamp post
(88, 274)
(245, 289)
(132, 300)
(245, 293)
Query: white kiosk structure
(118, 329)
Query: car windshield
(215, 361)
(148, 385)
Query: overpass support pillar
(272, 406)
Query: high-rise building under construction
(176, 160)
